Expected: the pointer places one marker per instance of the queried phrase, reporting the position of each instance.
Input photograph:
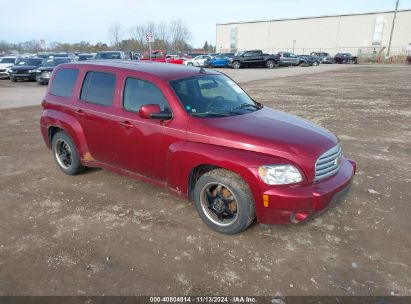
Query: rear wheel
(270, 64)
(65, 154)
(236, 65)
(224, 201)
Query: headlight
(32, 71)
(279, 174)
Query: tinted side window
(140, 92)
(98, 88)
(63, 82)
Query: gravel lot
(104, 234)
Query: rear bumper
(296, 204)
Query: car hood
(24, 67)
(46, 69)
(5, 65)
(265, 131)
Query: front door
(142, 144)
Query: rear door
(94, 112)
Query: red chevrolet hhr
(195, 132)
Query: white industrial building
(368, 32)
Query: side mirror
(153, 111)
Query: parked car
(197, 61)
(228, 55)
(25, 69)
(112, 55)
(161, 56)
(46, 68)
(5, 64)
(324, 57)
(253, 58)
(310, 60)
(81, 57)
(218, 61)
(345, 58)
(289, 59)
(196, 133)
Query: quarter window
(140, 92)
(63, 82)
(98, 88)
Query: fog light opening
(299, 216)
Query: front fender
(70, 125)
(183, 157)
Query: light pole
(392, 28)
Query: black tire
(190, 64)
(236, 220)
(236, 65)
(315, 63)
(270, 64)
(13, 79)
(65, 154)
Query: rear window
(98, 88)
(63, 82)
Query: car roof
(164, 71)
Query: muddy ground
(100, 233)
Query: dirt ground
(104, 234)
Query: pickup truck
(161, 56)
(287, 59)
(196, 133)
(253, 58)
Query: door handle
(79, 113)
(126, 124)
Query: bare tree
(179, 34)
(115, 34)
(138, 33)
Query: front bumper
(43, 77)
(4, 73)
(31, 76)
(298, 203)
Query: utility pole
(392, 28)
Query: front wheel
(190, 64)
(224, 201)
(65, 154)
(236, 65)
(13, 79)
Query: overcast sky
(88, 20)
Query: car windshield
(108, 55)
(55, 61)
(213, 96)
(29, 61)
(7, 60)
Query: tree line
(174, 36)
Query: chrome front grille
(329, 163)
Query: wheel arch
(53, 122)
(187, 161)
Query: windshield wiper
(211, 114)
(247, 105)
